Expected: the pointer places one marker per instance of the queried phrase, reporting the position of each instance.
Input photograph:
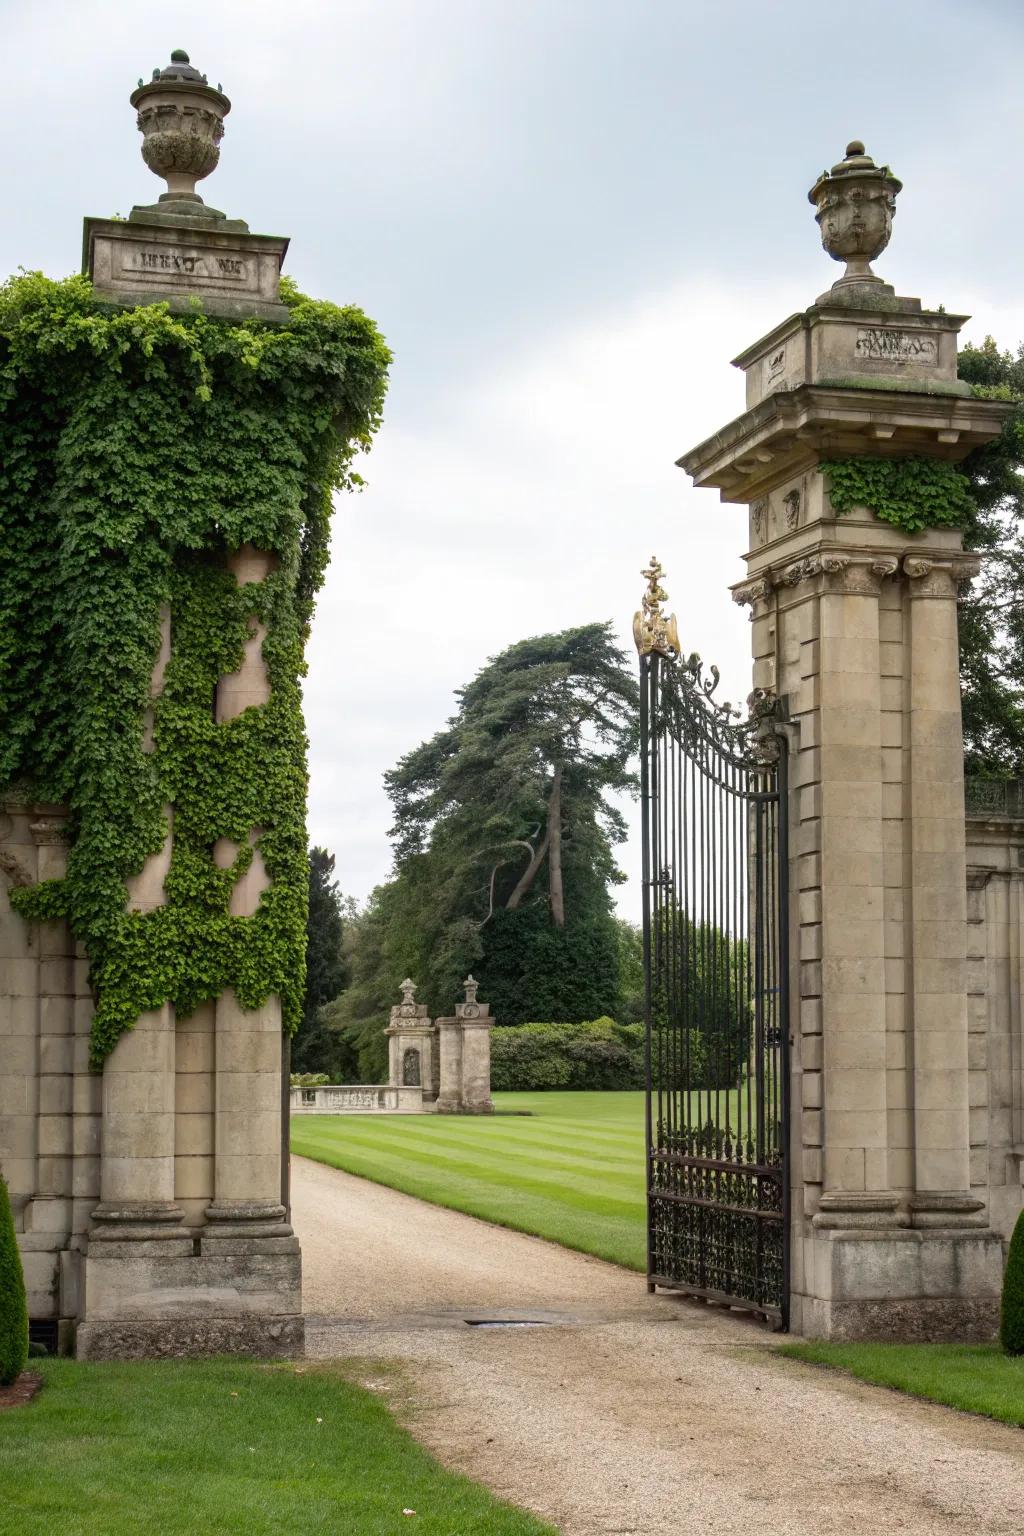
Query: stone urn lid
(181, 119)
(855, 203)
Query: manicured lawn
(977, 1378)
(572, 1171)
(172, 1448)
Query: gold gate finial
(655, 633)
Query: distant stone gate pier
(440, 1066)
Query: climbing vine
(138, 449)
(912, 493)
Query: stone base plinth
(905, 1285)
(263, 1338)
(231, 1292)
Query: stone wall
(50, 1102)
(995, 945)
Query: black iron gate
(716, 960)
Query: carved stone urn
(181, 118)
(856, 201)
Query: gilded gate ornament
(655, 633)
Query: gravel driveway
(622, 1412)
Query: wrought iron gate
(715, 862)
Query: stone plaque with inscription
(886, 344)
(231, 273)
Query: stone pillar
(191, 1107)
(449, 1040)
(476, 1022)
(854, 627)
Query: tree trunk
(529, 874)
(554, 841)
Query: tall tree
(504, 834)
(992, 609)
(316, 1048)
(542, 734)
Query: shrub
(13, 1307)
(599, 1054)
(1011, 1322)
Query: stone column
(938, 898)
(137, 1135)
(449, 1041)
(247, 1087)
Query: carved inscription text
(168, 261)
(882, 344)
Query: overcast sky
(566, 216)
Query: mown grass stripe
(480, 1148)
(582, 1193)
(572, 1172)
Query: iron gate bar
(716, 979)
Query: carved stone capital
(857, 574)
(749, 593)
(48, 829)
(939, 578)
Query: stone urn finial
(472, 986)
(856, 201)
(408, 991)
(181, 119)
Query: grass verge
(567, 1166)
(976, 1378)
(170, 1448)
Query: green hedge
(13, 1309)
(1011, 1330)
(599, 1054)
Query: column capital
(858, 574)
(749, 593)
(939, 578)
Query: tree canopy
(992, 609)
(317, 1048)
(504, 833)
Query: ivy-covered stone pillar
(183, 418)
(846, 458)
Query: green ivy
(138, 448)
(912, 494)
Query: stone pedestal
(854, 626)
